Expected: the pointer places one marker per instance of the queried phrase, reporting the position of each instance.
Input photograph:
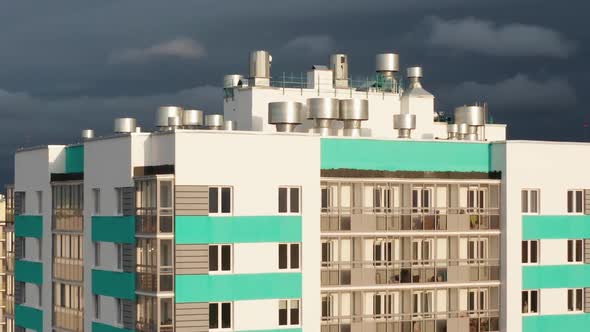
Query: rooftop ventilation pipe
(260, 62)
(323, 111)
(414, 75)
(192, 119)
(387, 65)
(352, 113)
(124, 125)
(339, 66)
(87, 134)
(452, 131)
(285, 115)
(232, 81)
(229, 125)
(214, 121)
(473, 117)
(165, 112)
(404, 123)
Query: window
(477, 300)
(575, 298)
(530, 302)
(575, 201)
(96, 306)
(40, 297)
(385, 304)
(422, 251)
(289, 256)
(421, 200)
(220, 200)
(327, 253)
(327, 301)
(289, 312)
(119, 198)
(39, 202)
(476, 198)
(477, 250)
(96, 199)
(530, 251)
(118, 311)
(119, 248)
(422, 303)
(220, 316)
(96, 253)
(329, 197)
(220, 257)
(530, 201)
(575, 253)
(289, 200)
(382, 252)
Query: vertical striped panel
(192, 317)
(191, 200)
(192, 259)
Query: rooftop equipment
(473, 117)
(339, 66)
(415, 74)
(352, 113)
(214, 121)
(463, 130)
(192, 119)
(229, 125)
(452, 131)
(174, 122)
(285, 115)
(404, 123)
(232, 81)
(87, 134)
(260, 68)
(124, 125)
(387, 65)
(323, 111)
(163, 113)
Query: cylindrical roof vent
(87, 134)
(214, 121)
(174, 122)
(260, 64)
(387, 63)
(192, 119)
(452, 130)
(164, 112)
(124, 125)
(404, 123)
(232, 81)
(323, 111)
(285, 115)
(463, 130)
(339, 66)
(415, 74)
(229, 125)
(352, 113)
(470, 115)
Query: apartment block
(314, 203)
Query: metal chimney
(214, 121)
(473, 117)
(260, 62)
(192, 119)
(229, 125)
(339, 66)
(124, 125)
(87, 134)
(463, 130)
(285, 115)
(352, 113)
(163, 113)
(414, 75)
(174, 122)
(232, 81)
(452, 131)
(324, 111)
(404, 123)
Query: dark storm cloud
(69, 65)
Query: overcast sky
(69, 65)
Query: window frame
(220, 247)
(96, 202)
(529, 199)
(289, 207)
(528, 256)
(290, 246)
(119, 201)
(572, 244)
(219, 211)
(289, 308)
(574, 204)
(575, 297)
(220, 316)
(529, 293)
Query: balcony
(68, 220)
(67, 318)
(68, 269)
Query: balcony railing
(69, 319)
(68, 220)
(68, 269)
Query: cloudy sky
(68, 65)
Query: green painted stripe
(118, 229)
(234, 229)
(236, 287)
(116, 284)
(75, 159)
(27, 271)
(100, 327)
(555, 227)
(556, 276)
(371, 154)
(28, 226)
(28, 317)
(552, 323)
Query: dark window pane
(294, 316)
(294, 200)
(283, 313)
(213, 197)
(525, 302)
(570, 254)
(226, 315)
(570, 299)
(579, 200)
(578, 299)
(534, 201)
(377, 304)
(324, 198)
(295, 256)
(213, 258)
(570, 201)
(525, 252)
(325, 307)
(282, 256)
(426, 198)
(282, 200)
(325, 252)
(414, 198)
(213, 316)
(579, 252)
(226, 258)
(533, 301)
(534, 251)
(225, 200)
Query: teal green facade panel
(552, 323)
(99, 327)
(556, 276)
(75, 159)
(28, 317)
(28, 226)
(27, 271)
(117, 229)
(236, 287)
(115, 284)
(401, 155)
(555, 227)
(237, 229)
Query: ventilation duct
(285, 115)
(124, 125)
(229, 125)
(473, 117)
(352, 113)
(214, 122)
(323, 111)
(339, 66)
(404, 123)
(87, 134)
(165, 112)
(414, 75)
(452, 131)
(232, 81)
(192, 119)
(260, 62)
